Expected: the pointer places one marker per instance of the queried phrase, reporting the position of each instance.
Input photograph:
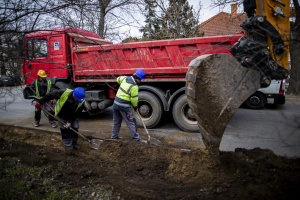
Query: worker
(67, 109)
(127, 97)
(42, 87)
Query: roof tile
(223, 24)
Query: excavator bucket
(216, 86)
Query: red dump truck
(74, 57)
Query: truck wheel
(182, 115)
(150, 109)
(255, 101)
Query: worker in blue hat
(67, 109)
(127, 97)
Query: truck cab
(50, 50)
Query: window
(36, 48)
(39, 48)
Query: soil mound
(143, 171)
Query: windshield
(36, 48)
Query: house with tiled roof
(223, 23)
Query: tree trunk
(294, 84)
(101, 23)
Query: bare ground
(144, 171)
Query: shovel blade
(154, 141)
(95, 143)
(216, 86)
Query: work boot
(36, 124)
(76, 146)
(117, 138)
(53, 125)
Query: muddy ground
(130, 170)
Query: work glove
(38, 105)
(67, 124)
(135, 109)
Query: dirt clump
(141, 171)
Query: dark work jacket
(42, 86)
(67, 111)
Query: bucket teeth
(216, 86)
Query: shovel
(94, 143)
(150, 140)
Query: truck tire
(182, 115)
(150, 109)
(256, 101)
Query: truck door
(58, 55)
(36, 58)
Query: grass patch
(21, 181)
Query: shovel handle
(59, 119)
(39, 96)
(65, 124)
(143, 124)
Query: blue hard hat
(79, 94)
(140, 73)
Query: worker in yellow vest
(127, 97)
(67, 109)
(42, 87)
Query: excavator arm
(217, 84)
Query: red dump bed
(163, 60)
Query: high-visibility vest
(62, 101)
(124, 92)
(37, 89)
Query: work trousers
(37, 115)
(130, 121)
(69, 137)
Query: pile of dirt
(143, 171)
(135, 39)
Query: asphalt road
(274, 127)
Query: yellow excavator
(217, 84)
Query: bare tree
(21, 16)
(103, 17)
(18, 17)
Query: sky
(207, 12)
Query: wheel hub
(187, 115)
(144, 110)
(254, 100)
(190, 114)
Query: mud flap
(216, 86)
